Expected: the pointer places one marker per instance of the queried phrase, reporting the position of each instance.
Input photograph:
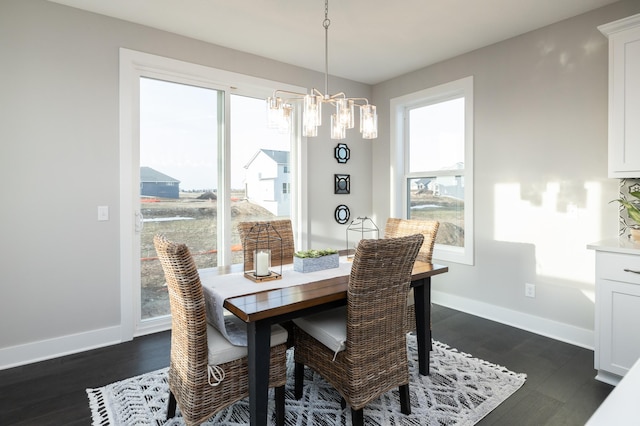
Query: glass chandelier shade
(280, 106)
(279, 114)
(368, 122)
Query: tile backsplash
(627, 186)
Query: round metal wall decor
(342, 214)
(342, 153)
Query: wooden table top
(270, 303)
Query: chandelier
(280, 105)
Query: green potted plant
(315, 260)
(633, 210)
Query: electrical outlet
(530, 290)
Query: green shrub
(314, 253)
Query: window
(433, 145)
(285, 188)
(257, 157)
(194, 137)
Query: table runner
(217, 288)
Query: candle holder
(259, 243)
(362, 225)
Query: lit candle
(262, 263)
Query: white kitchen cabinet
(624, 96)
(617, 309)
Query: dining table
(312, 292)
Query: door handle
(632, 271)
(138, 222)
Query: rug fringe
(492, 365)
(99, 411)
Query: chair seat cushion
(328, 327)
(221, 350)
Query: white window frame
(400, 163)
(133, 66)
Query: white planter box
(312, 264)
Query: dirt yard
(191, 220)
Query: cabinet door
(624, 98)
(619, 335)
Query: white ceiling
(369, 40)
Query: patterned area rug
(460, 390)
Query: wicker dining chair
(200, 355)
(361, 349)
(285, 232)
(402, 227)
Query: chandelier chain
(326, 24)
(326, 21)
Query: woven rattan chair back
(188, 312)
(376, 305)
(375, 358)
(188, 373)
(285, 231)
(402, 227)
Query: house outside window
(433, 132)
(263, 179)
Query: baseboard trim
(18, 355)
(42, 350)
(553, 329)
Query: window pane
(178, 179)
(436, 135)
(260, 165)
(442, 199)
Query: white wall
(59, 161)
(541, 186)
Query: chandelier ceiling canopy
(280, 105)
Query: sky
(437, 136)
(179, 131)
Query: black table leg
(258, 342)
(422, 300)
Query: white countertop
(616, 245)
(621, 406)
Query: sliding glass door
(196, 157)
(180, 139)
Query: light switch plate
(103, 213)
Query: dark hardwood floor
(560, 387)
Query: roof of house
(147, 174)
(280, 157)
